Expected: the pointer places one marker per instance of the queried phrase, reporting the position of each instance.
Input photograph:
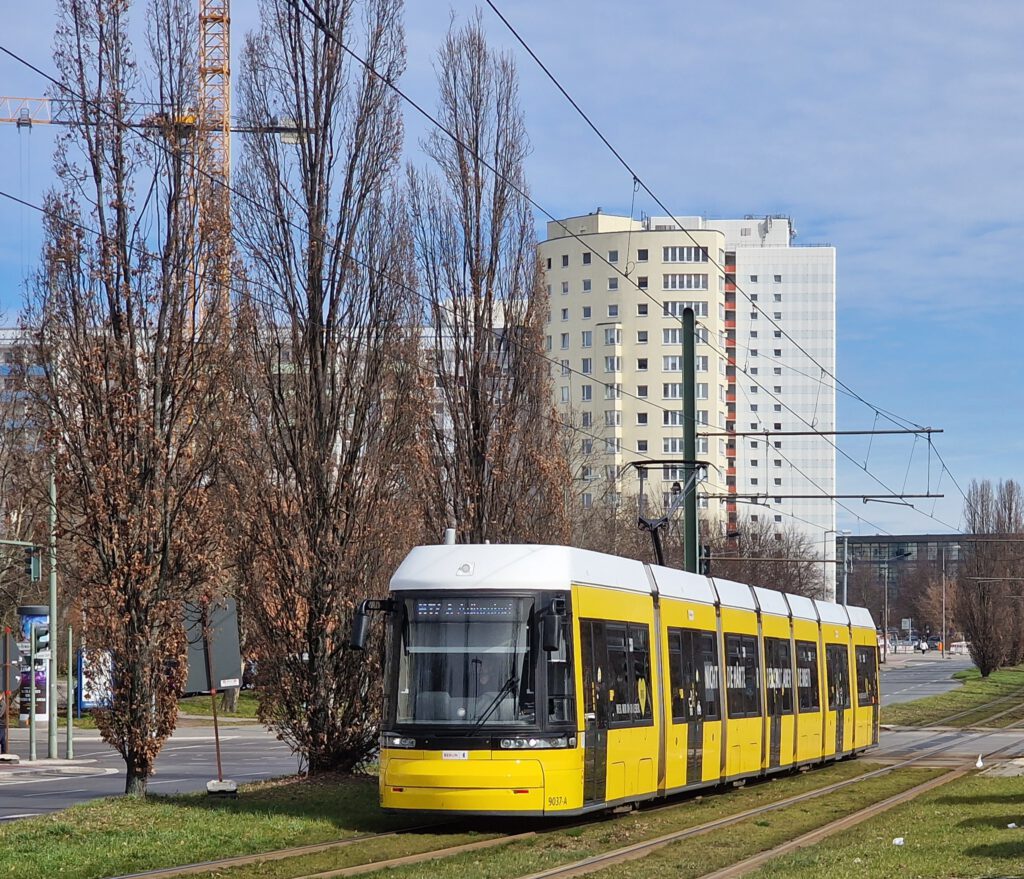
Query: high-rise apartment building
(765, 357)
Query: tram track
(923, 755)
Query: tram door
(779, 683)
(837, 666)
(594, 656)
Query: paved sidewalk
(902, 660)
(47, 767)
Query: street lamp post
(942, 634)
(885, 604)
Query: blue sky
(894, 132)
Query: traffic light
(33, 563)
(40, 638)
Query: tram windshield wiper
(506, 688)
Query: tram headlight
(535, 742)
(391, 740)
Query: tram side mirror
(360, 629)
(361, 620)
(552, 632)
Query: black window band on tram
(742, 676)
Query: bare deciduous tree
(985, 588)
(495, 468)
(133, 363)
(331, 380)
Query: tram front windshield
(466, 662)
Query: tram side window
(708, 647)
(742, 676)
(693, 675)
(629, 670)
(807, 676)
(778, 676)
(867, 676)
(838, 668)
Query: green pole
(689, 443)
(69, 750)
(32, 693)
(51, 674)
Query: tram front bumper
(426, 781)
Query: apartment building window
(612, 418)
(565, 394)
(587, 500)
(587, 472)
(700, 363)
(777, 407)
(565, 341)
(586, 257)
(672, 418)
(547, 343)
(565, 367)
(777, 315)
(672, 363)
(778, 279)
(777, 462)
(641, 337)
(565, 288)
(613, 311)
(613, 256)
(586, 393)
(753, 481)
(612, 364)
(753, 315)
(777, 297)
(753, 352)
(586, 285)
(745, 232)
(778, 352)
(611, 472)
(612, 336)
(641, 309)
(778, 334)
(641, 364)
(549, 262)
(612, 391)
(587, 312)
(753, 334)
(641, 255)
(753, 407)
(777, 482)
(587, 419)
(701, 390)
(587, 366)
(674, 308)
(565, 314)
(613, 445)
(587, 338)
(549, 290)
(613, 283)
(641, 282)
(753, 370)
(641, 419)
(753, 389)
(777, 370)
(688, 281)
(672, 390)
(641, 390)
(641, 445)
(753, 279)
(672, 445)
(684, 254)
(587, 446)
(565, 260)
(753, 297)
(777, 389)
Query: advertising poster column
(28, 616)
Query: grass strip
(572, 844)
(959, 830)
(127, 835)
(970, 698)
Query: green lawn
(125, 835)
(958, 830)
(247, 706)
(972, 695)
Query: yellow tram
(546, 680)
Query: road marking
(53, 793)
(20, 815)
(17, 780)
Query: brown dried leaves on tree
(495, 471)
(132, 361)
(330, 377)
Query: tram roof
(515, 566)
(531, 567)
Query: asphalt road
(905, 678)
(185, 764)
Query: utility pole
(51, 676)
(690, 530)
(942, 638)
(846, 562)
(885, 615)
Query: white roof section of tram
(832, 613)
(673, 583)
(771, 601)
(733, 594)
(515, 567)
(802, 608)
(861, 617)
